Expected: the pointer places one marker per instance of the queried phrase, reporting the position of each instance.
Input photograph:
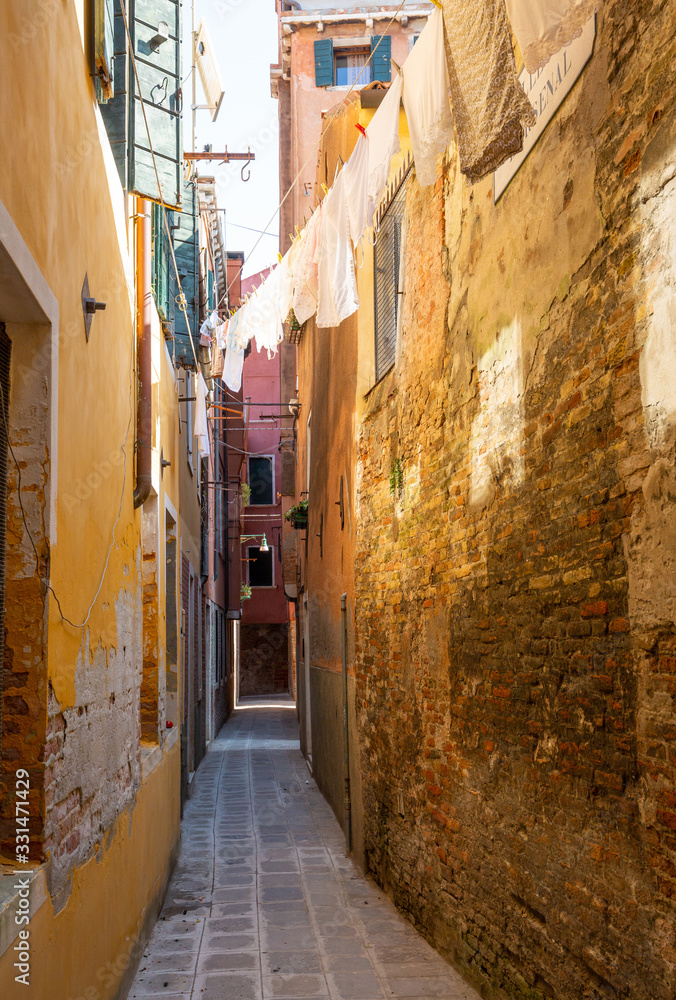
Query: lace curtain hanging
(428, 111)
(544, 27)
(490, 108)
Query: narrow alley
(264, 903)
(338, 500)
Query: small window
(260, 567)
(349, 63)
(261, 481)
(388, 282)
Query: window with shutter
(115, 112)
(381, 52)
(186, 250)
(162, 264)
(159, 70)
(104, 49)
(324, 62)
(387, 282)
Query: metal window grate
(387, 281)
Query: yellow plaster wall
(82, 952)
(58, 189)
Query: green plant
(245, 494)
(298, 512)
(396, 477)
(245, 592)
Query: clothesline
(459, 81)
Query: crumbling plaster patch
(96, 767)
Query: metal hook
(247, 168)
(160, 86)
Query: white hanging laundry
(221, 333)
(268, 329)
(201, 425)
(338, 296)
(234, 355)
(490, 108)
(425, 95)
(286, 284)
(209, 325)
(356, 181)
(306, 272)
(383, 136)
(544, 27)
(247, 324)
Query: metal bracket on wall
(89, 306)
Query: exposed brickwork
(264, 665)
(515, 638)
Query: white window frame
(264, 586)
(274, 484)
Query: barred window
(388, 281)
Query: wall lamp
(294, 408)
(264, 547)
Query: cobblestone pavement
(264, 903)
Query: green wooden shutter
(159, 69)
(115, 112)
(104, 49)
(380, 57)
(187, 260)
(162, 265)
(324, 62)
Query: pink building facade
(264, 661)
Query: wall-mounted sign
(546, 90)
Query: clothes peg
(325, 189)
(436, 3)
(279, 257)
(292, 238)
(361, 128)
(396, 65)
(297, 230)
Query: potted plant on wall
(297, 515)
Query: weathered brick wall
(264, 667)
(515, 600)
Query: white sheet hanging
(543, 27)
(306, 272)
(428, 110)
(356, 181)
(490, 108)
(338, 297)
(383, 136)
(246, 327)
(234, 355)
(268, 329)
(201, 424)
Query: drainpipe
(144, 351)
(346, 745)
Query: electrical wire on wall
(47, 586)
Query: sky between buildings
(244, 37)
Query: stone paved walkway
(264, 903)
